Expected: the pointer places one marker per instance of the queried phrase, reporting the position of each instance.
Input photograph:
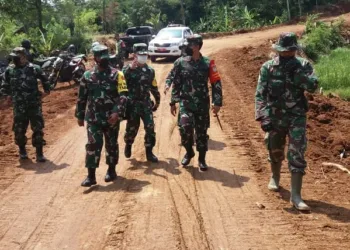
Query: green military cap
(286, 42)
(18, 51)
(195, 39)
(100, 51)
(140, 48)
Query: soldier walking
(101, 103)
(20, 86)
(190, 89)
(119, 51)
(281, 107)
(141, 81)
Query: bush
(333, 72)
(55, 37)
(8, 38)
(322, 38)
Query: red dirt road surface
(166, 206)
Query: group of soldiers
(108, 95)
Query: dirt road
(157, 206)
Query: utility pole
(299, 8)
(183, 12)
(288, 9)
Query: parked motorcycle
(68, 67)
(46, 64)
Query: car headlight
(175, 44)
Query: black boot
(40, 155)
(150, 156)
(111, 175)
(23, 153)
(90, 179)
(188, 156)
(201, 160)
(127, 150)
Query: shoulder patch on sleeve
(214, 75)
(122, 87)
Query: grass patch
(334, 74)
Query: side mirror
(154, 36)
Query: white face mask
(142, 59)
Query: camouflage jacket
(100, 95)
(278, 94)
(118, 48)
(170, 78)
(190, 83)
(31, 55)
(22, 85)
(141, 82)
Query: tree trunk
(299, 3)
(39, 9)
(104, 15)
(288, 9)
(183, 13)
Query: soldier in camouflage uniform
(141, 81)
(26, 44)
(191, 91)
(101, 103)
(281, 109)
(119, 51)
(20, 85)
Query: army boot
(90, 179)
(188, 156)
(201, 160)
(150, 156)
(23, 153)
(111, 175)
(40, 155)
(295, 198)
(127, 150)
(276, 175)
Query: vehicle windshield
(167, 34)
(138, 31)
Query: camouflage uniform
(141, 82)
(169, 79)
(20, 83)
(281, 106)
(103, 93)
(119, 49)
(191, 91)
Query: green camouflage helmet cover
(100, 51)
(287, 42)
(140, 48)
(18, 51)
(195, 39)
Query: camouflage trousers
(94, 145)
(193, 121)
(276, 140)
(22, 116)
(133, 125)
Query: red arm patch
(214, 75)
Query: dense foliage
(57, 23)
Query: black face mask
(16, 60)
(285, 59)
(104, 63)
(189, 51)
